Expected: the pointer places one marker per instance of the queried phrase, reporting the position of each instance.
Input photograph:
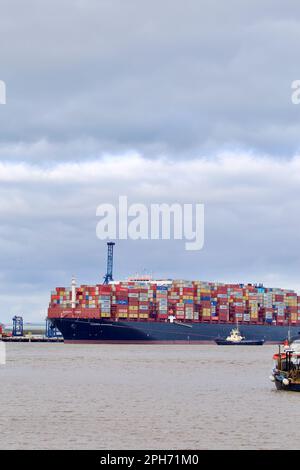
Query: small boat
(236, 339)
(286, 371)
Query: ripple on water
(148, 396)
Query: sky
(164, 102)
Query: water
(57, 396)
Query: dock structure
(31, 339)
(18, 327)
(21, 332)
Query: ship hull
(108, 331)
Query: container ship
(143, 310)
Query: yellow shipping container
(122, 315)
(105, 314)
(206, 312)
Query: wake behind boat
(236, 339)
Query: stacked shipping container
(185, 301)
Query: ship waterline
(105, 331)
(170, 311)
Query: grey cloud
(143, 98)
(48, 228)
(161, 77)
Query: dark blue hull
(108, 331)
(292, 387)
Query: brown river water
(57, 396)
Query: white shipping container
(143, 307)
(223, 307)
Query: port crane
(110, 258)
(51, 331)
(18, 329)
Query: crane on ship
(110, 258)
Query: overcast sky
(162, 101)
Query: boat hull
(108, 331)
(292, 387)
(224, 342)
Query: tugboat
(286, 371)
(236, 339)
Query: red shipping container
(222, 290)
(188, 290)
(162, 316)
(105, 290)
(90, 313)
(235, 309)
(223, 301)
(121, 290)
(224, 316)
